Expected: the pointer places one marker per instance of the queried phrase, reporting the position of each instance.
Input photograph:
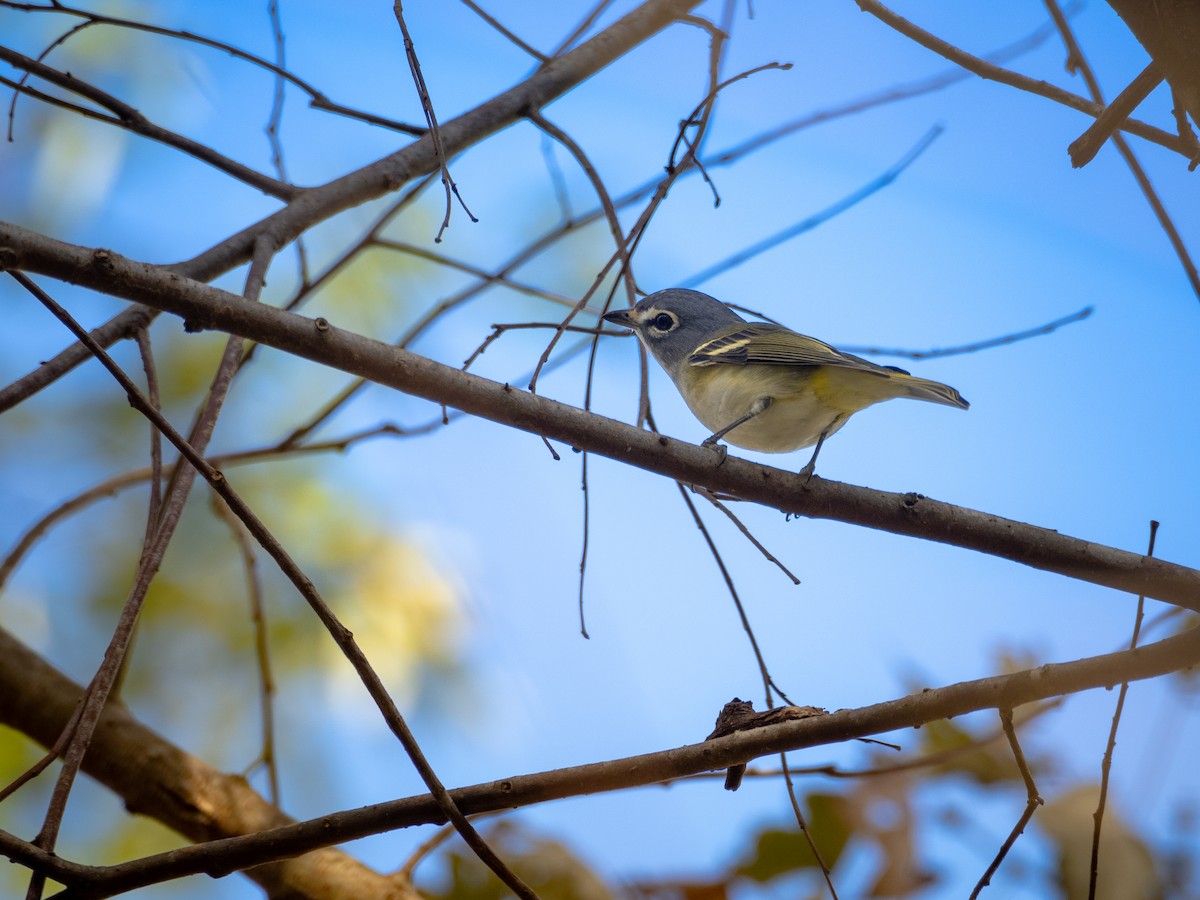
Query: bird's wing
(760, 343)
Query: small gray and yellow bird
(762, 386)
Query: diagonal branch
(992, 72)
(223, 855)
(155, 778)
(125, 116)
(205, 307)
(412, 162)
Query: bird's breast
(719, 395)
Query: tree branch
(418, 159)
(157, 779)
(205, 307)
(127, 757)
(991, 72)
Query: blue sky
(1091, 431)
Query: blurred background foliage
(406, 593)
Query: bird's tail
(933, 391)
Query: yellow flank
(806, 400)
(851, 390)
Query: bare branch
(975, 346)
(1106, 762)
(819, 218)
(1079, 62)
(991, 72)
(491, 20)
(1085, 147)
(203, 306)
(125, 116)
(341, 635)
(317, 100)
(155, 778)
(1032, 802)
(220, 856)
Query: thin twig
(275, 120)
(491, 20)
(819, 218)
(483, 274)
(712, 498)
(435, 134)
(622, 253)
(1106, 762)
(317, 100)
(125, 116)
(156, 458)
(1032, 801)
(803, 826)
(337, 630)
(764, 672)
(254, 593)
(975, 346)
(583, 549)
(579, 30)
(502, 328)
(557, 180)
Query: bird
(758, 385)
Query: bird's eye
(663, 322)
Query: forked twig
(1032, 802)
(435, 134)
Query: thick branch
(203, 307)
(157, 779)
(985, 69)
(419, 158)
(416, 160)
(1170, 32)
(998, 692)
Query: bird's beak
(618, 317)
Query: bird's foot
(720, 449)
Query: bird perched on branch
(762, 386)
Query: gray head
(673, 323)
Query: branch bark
(416, 160)
(1170, 32)
(135, 765)
(205, 307)
(157, 779)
